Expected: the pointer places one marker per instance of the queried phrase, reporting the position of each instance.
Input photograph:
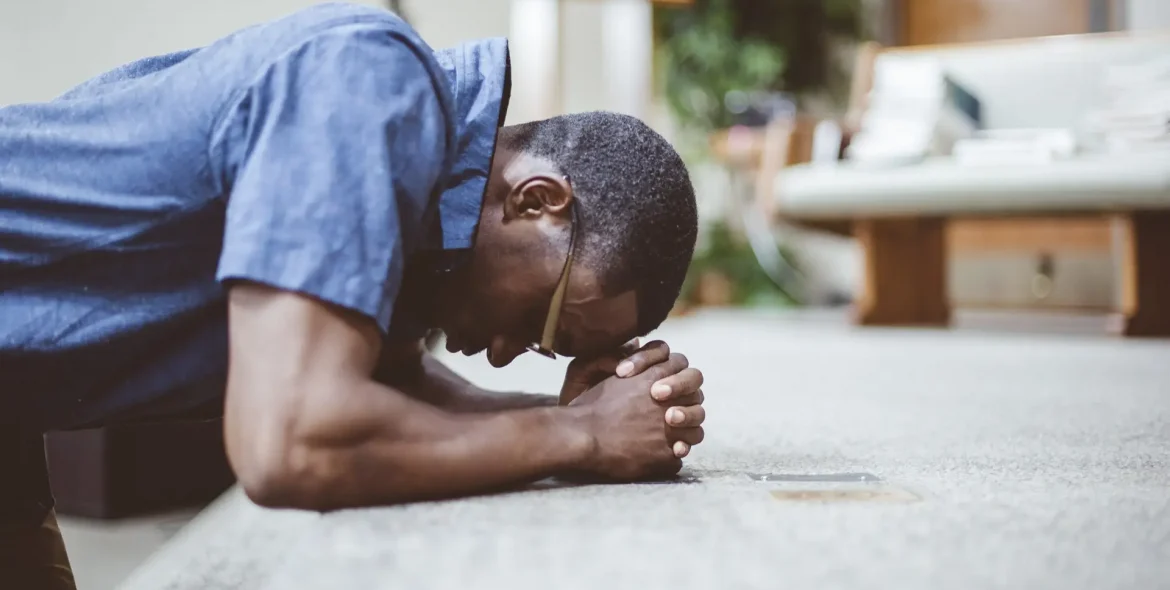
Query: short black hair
(636, 203)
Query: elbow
(310, 452)
(265, 489)
(275, 486)
(282, 472)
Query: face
(500, 302)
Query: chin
(492, 361)
(457, 343)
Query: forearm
(380, 447)
(436, 384)
(306, 425)
(493, 401)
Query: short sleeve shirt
(320, 153)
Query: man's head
(625, 192)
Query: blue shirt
(326, 153)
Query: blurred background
(747, 88)
(901, 161)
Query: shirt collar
(480, 76)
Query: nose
(503, 351)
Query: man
(266, 227)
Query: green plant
(716, 47)
(705, 61)
(734, 261)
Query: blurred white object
(914, 111)
(1153, 71)
(942, 187)
(826, 145)
(1136, 112)
(1015, 146)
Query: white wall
(535, 46)
(1143, 15)
(580, 55)
(444, 23)
(1051, 82)
(582, 60)
(47, 46)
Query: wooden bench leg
(1145, 273)
(905, 272)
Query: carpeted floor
(836, 458)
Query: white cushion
(943, 187)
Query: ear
(538, 195)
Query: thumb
(571, 391)
(592, 371)
(629, 348)
(584, 373)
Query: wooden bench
(899, 213)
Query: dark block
(136, 469)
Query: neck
(431, 282)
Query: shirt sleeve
(344, 142)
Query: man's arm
(416, 372)
(306, 426)
(413, 370)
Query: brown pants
(32, 552)
(34, 557)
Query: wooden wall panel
(1064, 234)
(930, 22)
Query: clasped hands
(646, 405)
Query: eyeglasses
(549, 336)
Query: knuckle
(696, 397)
(653, 348)
(659, 372)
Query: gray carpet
(1001, 460)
